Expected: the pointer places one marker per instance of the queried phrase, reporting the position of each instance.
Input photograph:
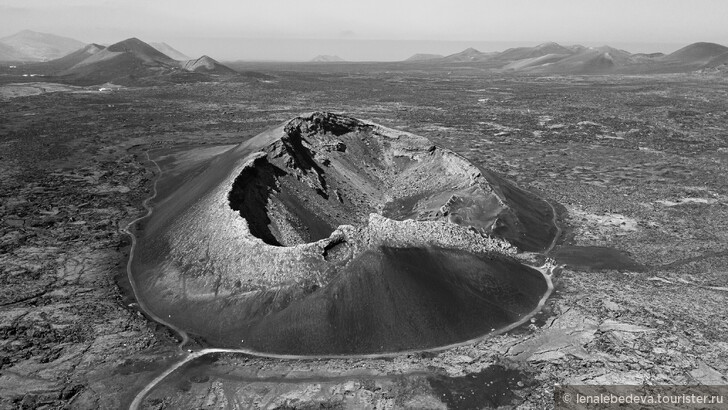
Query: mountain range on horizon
(32, 46)
(126, 62)
(27, 45)
(132, 57)
(553, 58)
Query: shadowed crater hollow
(329, 235)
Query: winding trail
(546, 270)
(184, 338)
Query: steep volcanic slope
(170, 51)
(330, 235)
(131, 61)
(68, 61)
(33, 46)
(393, 299)
(697, 53)
(695, 56)
(128, 59)
(594, 61)
(9, 53)
(349, 171)
(586, 60)
(208, 65)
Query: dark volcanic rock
(400, 177)
(331, 235)
(393, 299)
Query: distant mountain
(588, 60)
(694, 57)
(553, 58)
(697, 52)
(327, 59)
(8, 53)
(33, 46)
(718, 60)
(533, 63)
(207, 65)
(424, 57)
(577, 48)
(69, 60)
(469, 55)
(131, 61)
(591, 61)
(125, 61)
(522, 53)
(597, 60)
(170, 51)
(140, 50)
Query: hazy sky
(194, 26)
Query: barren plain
(636, 164)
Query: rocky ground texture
(638, 164)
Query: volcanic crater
(329, 235)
